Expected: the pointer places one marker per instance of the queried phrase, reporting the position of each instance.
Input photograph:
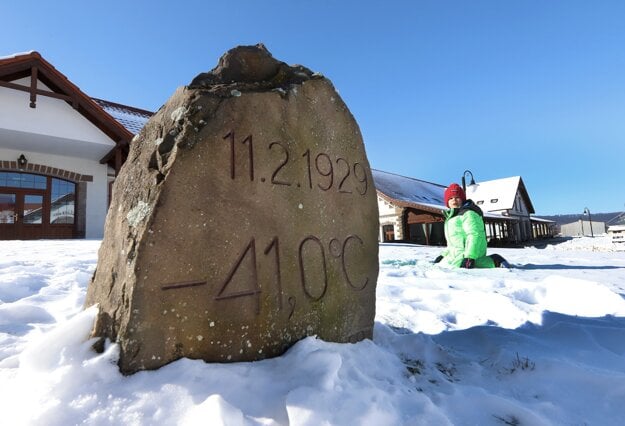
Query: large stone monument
(244, 219)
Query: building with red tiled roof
(57, 143)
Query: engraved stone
(244, 219)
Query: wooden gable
(56, 85)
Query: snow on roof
(133, 119)
(498, 194)
(540, 219)
(410, 190)
(14, 55)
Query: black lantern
(586, 211)
(22, 161)
(464, 185)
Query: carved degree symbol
(335, 247)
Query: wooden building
(59, 152)
(412, 210)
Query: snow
(131, 118)
(410, 190)
(15, 55)
(498, 194)
(540, 344)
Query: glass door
(21, 215)
(31, 216)
(8, 216)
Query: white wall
(389, 215)
(51, 117)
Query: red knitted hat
(454, 190)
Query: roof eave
(409, 204)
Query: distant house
(59, 151)
(412, 210)
(617, 233)
(508, 198)
(616, 228)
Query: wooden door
(8, 215)
(21, 215)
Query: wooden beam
(415, 216)
(33, 87)
(118, 159)
(37, 91)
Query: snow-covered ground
(540, 344)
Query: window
(494, 200)
(63, 201)
(479, 203)
(388, 231)
(7, 208)
(22, 180)
(33, 209)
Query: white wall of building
(51, 117)
(389, 215)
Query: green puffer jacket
(466, 236)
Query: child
(465, 233)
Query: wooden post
(33, 88)
(118, 159)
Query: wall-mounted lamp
(22, 161)
(464, 185)
(590, 220)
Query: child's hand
(467, 263)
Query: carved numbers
(320, 170)
(285, 160)
(313, 271)
(314, 258)
(248, 140)
(315, 242)
(183, 285)
(275, 244)
(362, 179)
(255, 290)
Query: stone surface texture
(243, 220)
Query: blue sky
(502, 88)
